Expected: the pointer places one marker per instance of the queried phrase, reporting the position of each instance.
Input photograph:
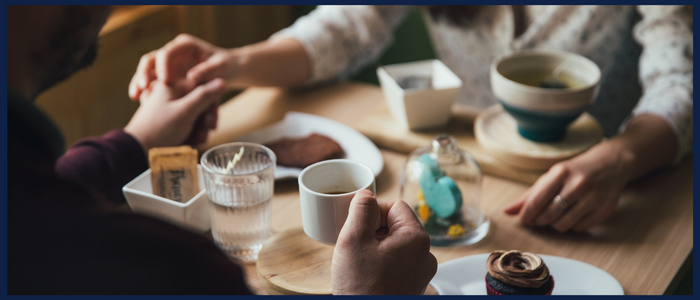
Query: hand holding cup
(393, 260)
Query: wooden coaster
(496, 132)
(291, 263)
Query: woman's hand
(588, 187)
(183, 63)
(187, 61)
(393, 260)
(166, 117)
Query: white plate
(465, 276)
(356, 146)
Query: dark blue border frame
(3, 163)
(347, 2)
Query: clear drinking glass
(443, 185)
(240, 197)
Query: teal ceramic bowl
(522, 82)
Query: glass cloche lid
(442, 183)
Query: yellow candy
(455, 230)
(423, 211)
(420, 196)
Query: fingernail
(216, 83)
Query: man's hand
(183, 63)
(165, 118)
(393, 260)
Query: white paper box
(192, 215)
(420, 108)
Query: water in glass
(240, 200)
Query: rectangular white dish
(419, 108)
(192, 215)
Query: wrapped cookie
(174, 172)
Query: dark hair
(454, 14)
(73, 42)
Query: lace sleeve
(340, 40)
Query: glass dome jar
(442, 184)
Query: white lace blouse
(645, 53)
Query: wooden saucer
(497, 133)
(291, 263)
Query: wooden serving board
(380, 127)
(291, 263)
(496, 131)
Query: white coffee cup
(323, 208)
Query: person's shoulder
(111, 252)
(175, 260)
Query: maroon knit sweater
(65, 235)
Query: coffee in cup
(326, 190)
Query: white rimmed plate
(356, 146)
(465, 276)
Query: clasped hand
(179, 87)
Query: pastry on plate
(305, 151)
(517, 273)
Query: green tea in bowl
(545, 78)
(544, 91)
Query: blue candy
(441, 192)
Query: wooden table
(645, 244)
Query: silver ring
(558, 200)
